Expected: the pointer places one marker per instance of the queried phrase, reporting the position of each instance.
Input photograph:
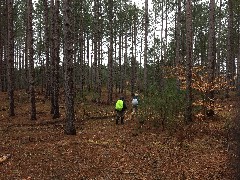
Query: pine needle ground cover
(101, 149)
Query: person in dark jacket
(120, 109)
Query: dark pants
(119, 115)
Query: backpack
(119, 105)
(134, 102)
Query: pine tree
(68, 67)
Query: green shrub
(164, 107)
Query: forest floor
(205, 149)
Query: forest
(64, 64)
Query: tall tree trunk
(81, 42)
(230, 64)
(26, 52)
(211, 58)
(52, 53)
(68, 63)
(56, 113)
(219, 49)
(238, 57)
(146, 21)
(31, 62)
(120, 61)
(125, 64)
(46, 46)
(189, 51)
(132, 62)
(178, 29)
(95, 45)
(10, 54)
(178, 36)
(110, 55)
(166, 32)
(1, 46)
(89, 74)
(4, 31)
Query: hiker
(120, 109)
(135, 102)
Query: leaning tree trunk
(31, 62)
(189, 49)
(68, 64)
(10, 54)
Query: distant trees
(111, 43)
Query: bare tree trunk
(230, 64)
(26, 53)
(52, 54)
(219, 49)
(132, 62)
(178, 29)
(95, 45)
(56, 113)
(189, 49)
(178, 36)
(89, 74)
(81, 42)
(120, 61)
(110, 55)
(68, 63)
(46, 37)
(4, 31)
(31, 62)
(238, 57)
(211, 57)
(1, 46)
(10, 54)
(124, 66)
(166, 32)
(145, 46)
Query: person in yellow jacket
(120, 108)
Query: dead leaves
(4, 158)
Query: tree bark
(68, 64)
(230, 64)
(31, 62)
(146, 21)
(10, 54)
(52, 54)
(211, 58)
(110, 55)
(56, 113)
(46, 46)
(189, 49)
